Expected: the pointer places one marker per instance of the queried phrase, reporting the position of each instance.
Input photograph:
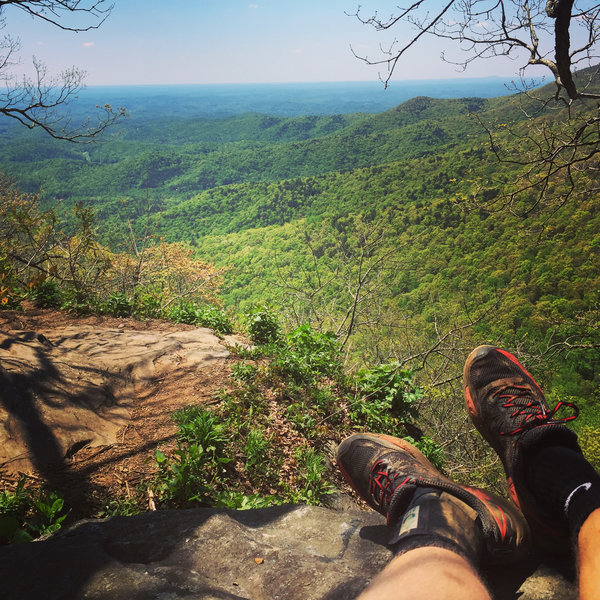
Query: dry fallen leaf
(259, 561)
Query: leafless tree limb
(530, 30)
(56, 11)
(42, 101)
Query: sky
(230, 41)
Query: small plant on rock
(27, 513)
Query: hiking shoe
(509, 409)
(387, 472)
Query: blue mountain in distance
(284, 99)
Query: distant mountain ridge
(287, 99)
(177, 158)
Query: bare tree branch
(491, 28)
(556, 147)
(56, 11)
(43, 101)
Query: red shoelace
(383, 483)
(534, 411)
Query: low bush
(118, 304)
(27, 513)
(46, 294)
(387, 399)
(263, 326)
(201, 315)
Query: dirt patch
(85, 401)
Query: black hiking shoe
(387, 472)
(509, 409)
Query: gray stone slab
(290, 552)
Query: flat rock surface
(289, 553)
(66, 388)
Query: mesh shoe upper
(386, 471)
(509, 409)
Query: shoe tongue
(519, 392)
(400, 500)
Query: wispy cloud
(253, 6)
(88, 44)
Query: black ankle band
(565, 484)
(435, 518)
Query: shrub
(432, 450)
(215, 318)
(263, 327)
(388, 397)
(183, 312)
(78, 304)
(192, 313)
(304, 355)
(118, 305)
(148, 305)
(318, 351)
(28, 513)
(46, 294)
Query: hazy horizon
(283, 99)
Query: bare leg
(429, 572)
(589, 558)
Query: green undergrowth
(29, 512)
(145, 303)
(270, 438)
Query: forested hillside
(205, 287)
(175, 158)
